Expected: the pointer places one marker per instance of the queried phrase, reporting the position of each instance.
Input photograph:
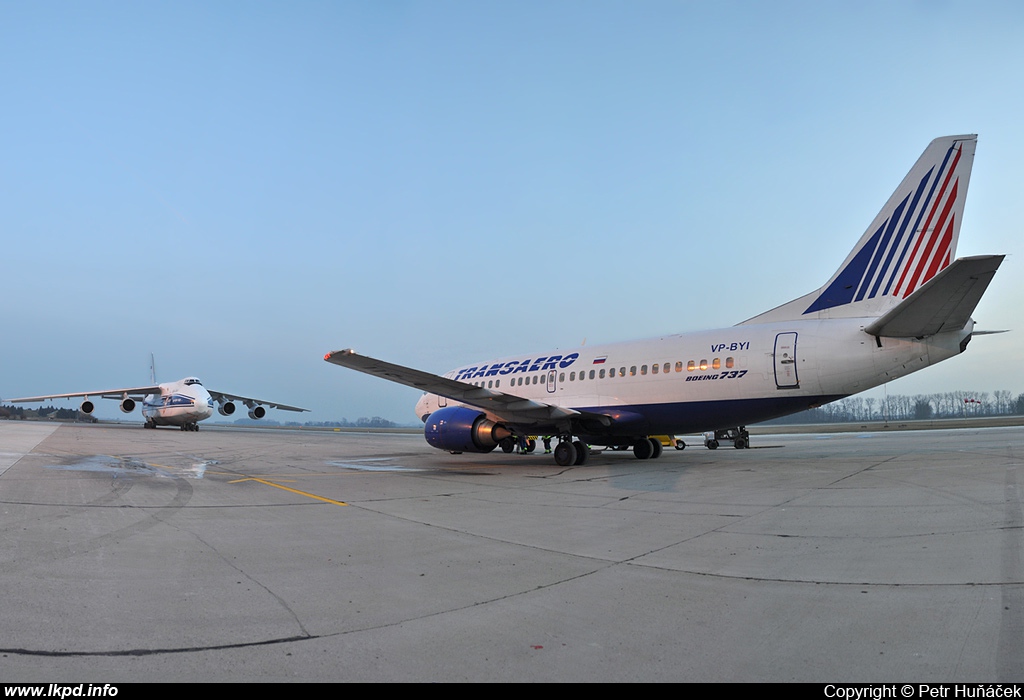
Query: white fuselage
(178, 403)
(709, 379)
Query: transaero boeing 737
(897, 304)
(182, 403)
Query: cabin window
(729, 362)
(716, 363)
(679, 366)
(561, 376)
(654, 369)
(632, 371)
(622, 371)
(602, 373)
(690, 366)
(592, 373)
(643, 370)
(572, 376)
(703, 365)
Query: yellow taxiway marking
(287, 488)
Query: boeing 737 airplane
(183, 403)
(897, 304)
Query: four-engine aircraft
(183, 403)
(898, 303)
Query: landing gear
(565, 454)
(582, 452)
(190, 427)
(149, 424)
(643, 449)
(507, 445)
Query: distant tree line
(48, 412)
(947, 404)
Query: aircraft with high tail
(899, 303)
(183, 403)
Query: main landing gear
(569, 452)
(192, 427)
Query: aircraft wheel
(680, 445)
(740, 443)
(643, 449)
(657, 447)
(507, 445)
(582, 452)
(531, 445)
(565, 454)
(712, 444)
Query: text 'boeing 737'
(899, 303)
(182, 403)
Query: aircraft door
(551, 381)
(785, 362)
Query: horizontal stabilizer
(944, 303)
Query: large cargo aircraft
(899, 303)
(182, 403)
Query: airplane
(183, 403)
(897, 304)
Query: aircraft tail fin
(944, 303)
(910, 241)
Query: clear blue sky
(241, 187)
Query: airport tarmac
(278, 555)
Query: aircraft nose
(422, 407)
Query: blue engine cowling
(461, 429)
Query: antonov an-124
(182, 403)
(899, 303)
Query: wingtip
(338, 353)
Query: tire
(643, 449)
(656, 448)
(565, 454)
(582, 452)
(680, 445)
(712, 444)
(740, 443)
(507, 445)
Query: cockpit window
(192, 380)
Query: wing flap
(944, 303)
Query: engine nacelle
(257, 412)
(128, 405)
(87, 407)
(461, 429)
(226, 409)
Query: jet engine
(257, 412)
(87, 407)
(226, 409)
(461, 429)
(127, 405)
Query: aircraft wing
(135, 392)
(507, 406)
(944, 303)
(248, 400)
